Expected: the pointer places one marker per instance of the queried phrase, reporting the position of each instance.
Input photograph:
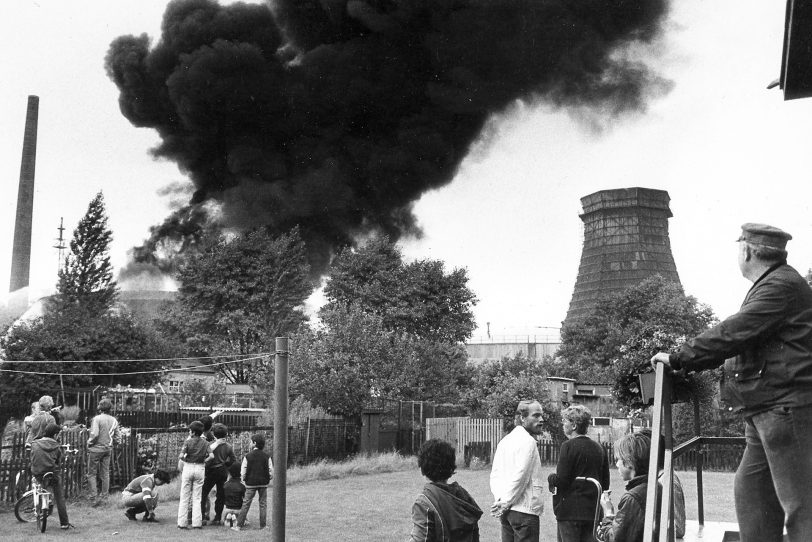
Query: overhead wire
(131, 373)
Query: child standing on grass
(257, 472)
(217, 472)
(633, 452)
(234, 493)
(442, 512)
(46, 457)
(193, 456)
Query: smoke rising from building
(337, 115)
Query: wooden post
(280, 439)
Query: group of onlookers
(207, 464)
(584, 512)
(207, 461)
(766, 353)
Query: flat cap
(765, 235)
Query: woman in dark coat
(574, 502)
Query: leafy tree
(418, 298)
(498, 386)
(617, 341)
(655, 308)
(86, 279)
(70, 336)
(80, 323)
(237, 294)
(353, 358)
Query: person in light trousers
(193, 457)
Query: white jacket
(516, 477)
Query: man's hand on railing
(661, 357)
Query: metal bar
(656, 423)
(667, 507)
(280, 439)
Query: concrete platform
(716, 531)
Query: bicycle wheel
(24, 509)
(42, 520)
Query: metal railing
(662, 425)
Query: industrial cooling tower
(625, 241)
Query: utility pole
(60, 243)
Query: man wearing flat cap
(766, 349)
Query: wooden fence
(16, 459)
(477, 438)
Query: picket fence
(478, 438)
(16, 460)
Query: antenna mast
(60, 243)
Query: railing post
(666, 512)
(280, 439)
(700, 462)
(660, 383)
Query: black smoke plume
(336, 115)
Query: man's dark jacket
(576, 501)
(768, 343)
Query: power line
(129, 360)
(170, 370)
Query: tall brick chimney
(625, 241)
(21, 251)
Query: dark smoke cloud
(336, 115)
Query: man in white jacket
(516, 478)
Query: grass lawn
(364, 508)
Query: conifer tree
(86, 278)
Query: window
(174, 385)
(586, 391)
(600, 420)
(565, 387)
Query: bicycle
(37, 503)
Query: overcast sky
(727, 150)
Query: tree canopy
(616, 342)
(80, 323)
(654, 308)
(353, 358)
(86, 278)
(497, 387)
(418, 298)
(237, 294)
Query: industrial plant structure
(625, 241)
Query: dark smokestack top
(21, 251)
(337, 116)
(625, 241)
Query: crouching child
(139, 495)
(234, 493)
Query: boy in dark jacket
(46, 456)
(234, 493)
(633, 452)
(217, 472)
(442, 512)
(256, 472)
